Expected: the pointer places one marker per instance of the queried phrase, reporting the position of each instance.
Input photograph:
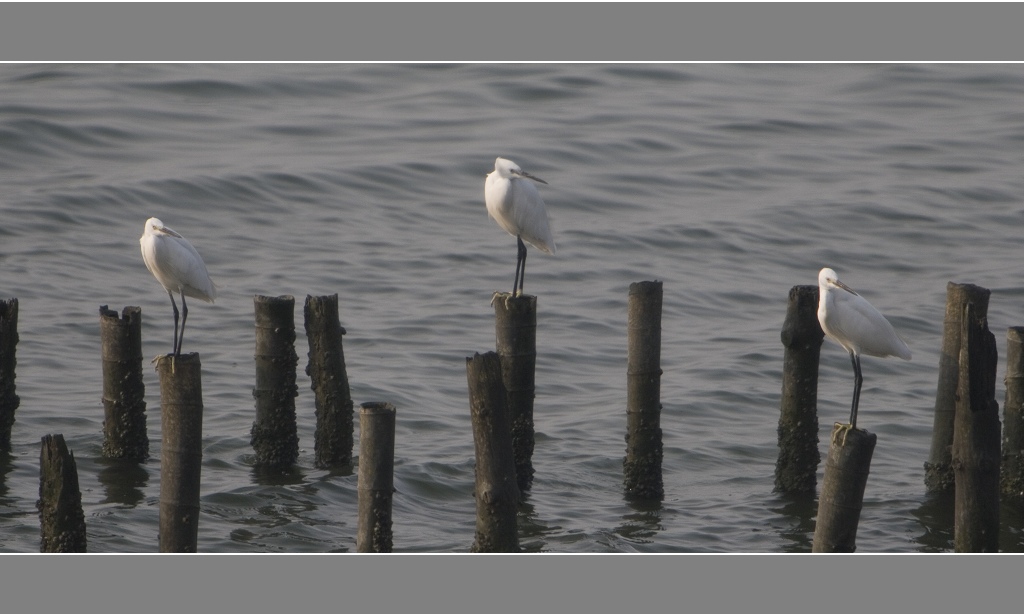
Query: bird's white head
(828, 280)
(154, 226)
(509, 170)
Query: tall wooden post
(1012, 468)
(333, 439)
(376, 476)
(938, 475)
(497, 495)
(642, 465)
(124, 393)
(275, 437)
(976, 440)
(181, 451)
(516, 344)
(796, 469)
(9, 400)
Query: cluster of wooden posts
(966, 455)
(501, 393)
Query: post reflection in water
(123, 481)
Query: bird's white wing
(531, 216)
(179, 264)
(870, 332)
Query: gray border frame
(519, 32)
(511, 32)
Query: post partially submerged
(124, 393)
(842, 489)
(333, 439)
(9, 400)
(181, 451)
(61, 520)
(376, 484)
(497, 494)
(1012, 468)
(642, 465)
(938, 475)
(515, 321)
(797, 466)
(975, 452)
(275, 437)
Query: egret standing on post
(178, 268)
(515, 203)
(850, 320)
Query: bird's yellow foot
(156, 360)
(838, 429)
(507, 296)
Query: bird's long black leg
(519, 263)
(174, 343)
(184, 315)
(520, 266)
(858, 380)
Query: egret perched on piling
(178, 268)
(857, 326)
(514, 202)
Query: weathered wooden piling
(1011, 479)
(61, 519)
(376, 476)
(333, 439)
(938, 474)
(976, 439)
(796, 469)
(515, 325)
(642, 464)
(124, 393)
(842, 489)
(181, 451)
(275, 437)
(9, 400)
(497, 492)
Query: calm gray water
(729, 183)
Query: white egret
(848, 318)
(515, 203)
(178, 268)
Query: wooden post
(61, 520)
(938, 476)
(333, 438)
(275, 437)
(516, 344)
(976, 440)
(124, 393)
(497, 494)
(796, 469)
(376, 476)
(181, 451)
(9, 400)
(1012, 469)
(842, 489)
(642, 465)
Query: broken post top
(957, 294)
(329, 299)
(1015, 333)
(130, 313)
